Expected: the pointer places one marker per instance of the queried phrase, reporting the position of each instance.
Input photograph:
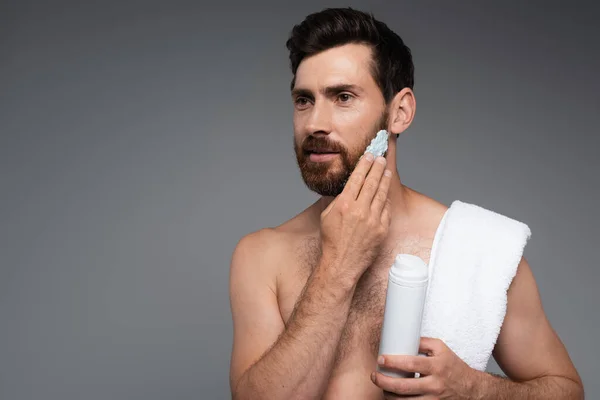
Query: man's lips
(320, 150)
(321, 155)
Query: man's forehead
(349, 64)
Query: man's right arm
(297, 364)
(271, 361)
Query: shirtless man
(307, 297)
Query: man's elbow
(571, 387)
(577, 388)
(236, 392)
(576, 383)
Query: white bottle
(405, 299)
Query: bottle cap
(409, 270)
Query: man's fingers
(422, 365)
(430, 346)
(372, 180)
(357, 178)
(386, 213)
(392, 396)
(381, 196)
(405, 386)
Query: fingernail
(373, 376)
(381, 160)
(369, 156)
(380, 360)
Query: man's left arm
(528, 351)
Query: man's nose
(319, 120)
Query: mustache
(323, 144)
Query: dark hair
(392, 66)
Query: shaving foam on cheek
(379, 144)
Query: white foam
(379, 144)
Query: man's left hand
(443, 375)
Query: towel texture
(474, 258)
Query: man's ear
(402, 111)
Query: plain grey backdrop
(141, 140)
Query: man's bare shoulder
(427, 211)
(425, 204)
(265, 248)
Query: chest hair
(365, 317)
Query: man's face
(338, 110)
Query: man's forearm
(298, 365)
(544, 388)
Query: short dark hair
(392, 66)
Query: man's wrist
(480, 384)
(488, 385)
(333, 270)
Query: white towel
(473, 260)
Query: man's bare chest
(362, 331)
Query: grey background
(141, 140)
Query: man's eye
(301, 101)
(345, 97)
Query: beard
(329, 178)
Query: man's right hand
(356, 222)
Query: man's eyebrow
(301, 92)
(328, 90)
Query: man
(307, 297)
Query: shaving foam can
(404, 303)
